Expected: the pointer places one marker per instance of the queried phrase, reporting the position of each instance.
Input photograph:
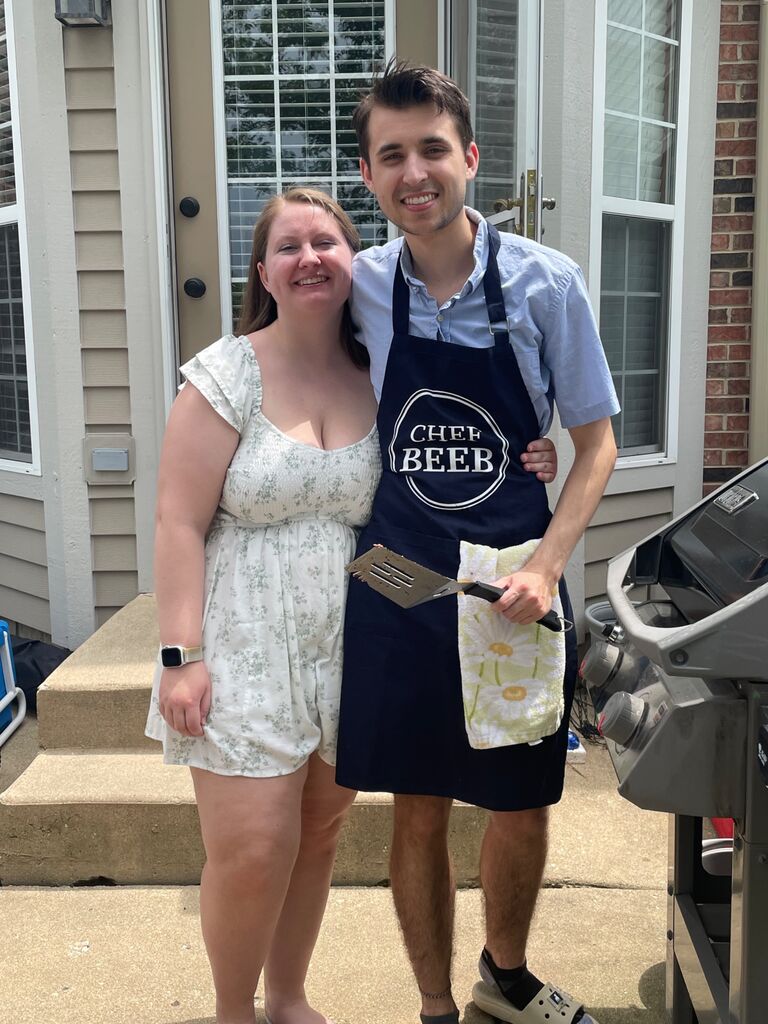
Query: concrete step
(125, 817)
(98, 698)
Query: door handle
(189, 206)
(194, 287)
(548, 204)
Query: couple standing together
(284, 444)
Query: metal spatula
(409, 584)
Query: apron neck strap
(494, 299)
(401, 301)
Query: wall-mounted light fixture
(77, 13)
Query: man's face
(418, 167)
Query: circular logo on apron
(447, 446)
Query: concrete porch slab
(136, 956)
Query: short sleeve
(225, 374)
(580, 380)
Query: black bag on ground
(34, 661)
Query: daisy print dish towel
(512, 675)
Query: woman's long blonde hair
(259, 309)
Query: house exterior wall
(71, 551)
(93, 143)
(53, 598)
(726, 438)
(69, 555)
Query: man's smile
(419, 199)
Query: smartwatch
(174, 655)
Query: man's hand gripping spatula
(409, 584)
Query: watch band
(175, 655)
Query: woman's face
(308, 264)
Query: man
(472, 336)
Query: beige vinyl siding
(620, 521)
(92, 118)
(23, 563)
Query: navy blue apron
(453, 422)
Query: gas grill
(680, 685)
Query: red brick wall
(726, 424)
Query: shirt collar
(479, 252)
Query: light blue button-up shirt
(549, 315)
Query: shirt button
(440, 317)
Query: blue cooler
(9, 691)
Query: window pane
(358, 37)
(347, 154)
(643, 331)
(245, 205)
(362, 209)
(641, 84)
(627, 12)
(658, 80)
(620, 159)
(303, 39)
(656, 159)
(614, 271)
(7, 177)
(249, 108)
(612, 327)
(633, 315)
(305, 128)
(495, 101)
(15, 440)
(622, 79)
(661, 17)
(292, 77)
(640, 416)
(247, 38)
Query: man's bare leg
(511, 868)
(424, 894)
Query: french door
(260, 97)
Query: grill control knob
(621, 716)
(601, 664)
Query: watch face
(171, 657)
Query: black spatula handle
(490, 593)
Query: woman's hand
(540, 457)
(185, 698)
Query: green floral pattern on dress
(275, 583)
(511, 675)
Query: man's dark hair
(403, 85)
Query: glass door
(494, 55)
(288, 76)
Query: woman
(269, 465)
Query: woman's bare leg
(251, 833)
(324, 808)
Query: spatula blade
(396, 577)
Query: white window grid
(231, 282)
(641, 119)
(27, 463)
(670, 212)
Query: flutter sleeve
(223, 374)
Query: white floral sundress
(275, 583)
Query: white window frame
(220, 132)
(671, 213)
(16, 215)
